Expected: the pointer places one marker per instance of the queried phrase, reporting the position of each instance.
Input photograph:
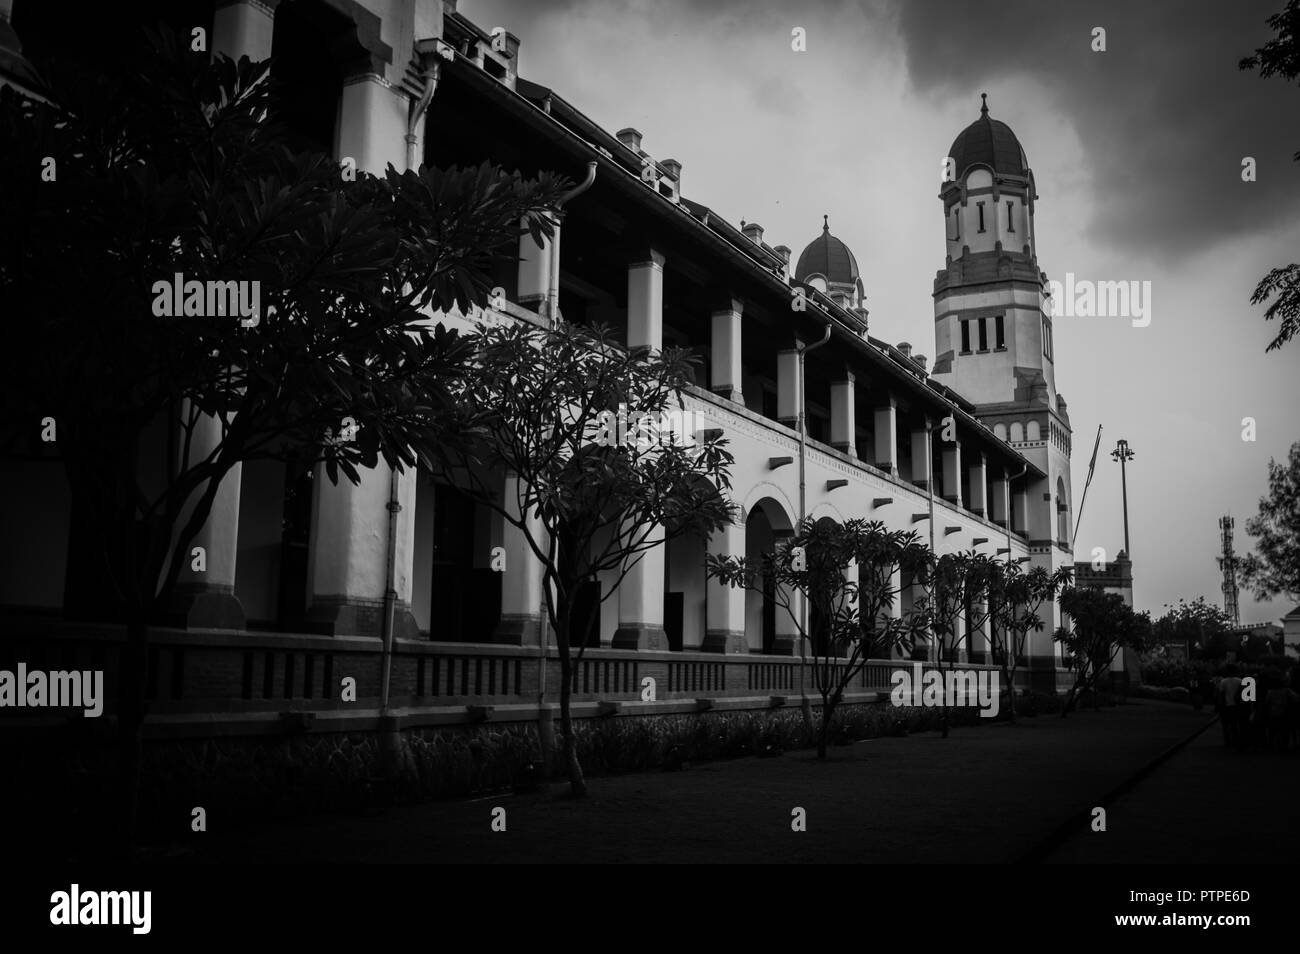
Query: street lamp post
(1123, 453)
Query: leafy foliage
(845, 573)
(1274, 567)
(1103, 624)
(547, 402)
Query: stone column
(243, 28)
(726, 364)
(886, 430)
(535, 271)
(921, 460)
(521, 581)
(641, 601)
(788, 387)
(843, 415)
(205, 589)
(952, 472)
(1001, 499)
(347, 565)
(645, 301)
(1020, 512)
(978, 483)
(725, 605)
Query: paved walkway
(1205, 805)
(987, 793)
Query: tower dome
(829, 257)
(988, 142)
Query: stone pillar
(725, 605)
(535, 271)
(978, 483)
(921, 460)
(1001, 501)
(726, 370)
(205, 597)
(786, 642)
(347, 565)
(1020, 511)
(521, 581)
(645, 301)
(886, 430)
(952, 472)
(788, 387)
(843, 412)
(244, 28)
(641, 601)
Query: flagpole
(1092, 464)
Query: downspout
(394, 507)
(802, 350)
(553, 285)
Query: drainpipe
(553, 286)
(416, 113)
(802, 350)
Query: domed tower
(829, 266)
(992, 319)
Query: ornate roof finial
(826, 223)
(984, 109)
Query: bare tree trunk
(577, 784)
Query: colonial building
(972, 454)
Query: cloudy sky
(1137, 153)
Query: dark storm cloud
(1164, 116)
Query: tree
(180, 167)
(1274, 567)
(591, 436)
(1015, 597)
(1103, 624)
(1198, 625)
(845, 574)
(1280, 57)
(956, 587)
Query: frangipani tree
(845, 573)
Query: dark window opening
(965, 337)
(980, 206)
(999, 336)
(984, 335)
(1011, 222)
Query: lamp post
(1123, 453)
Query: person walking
(1228, 705)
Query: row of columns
(350, 529)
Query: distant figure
(1228, 705)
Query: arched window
(1000, 431)
(1017, 432)
(1032, 432)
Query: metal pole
(1123, 478)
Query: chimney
(753, 231)
(906, 348)
(674, 170)
(920, 360)
(784, 252)
(631, 138)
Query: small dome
(991, 143)
(826, 255)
